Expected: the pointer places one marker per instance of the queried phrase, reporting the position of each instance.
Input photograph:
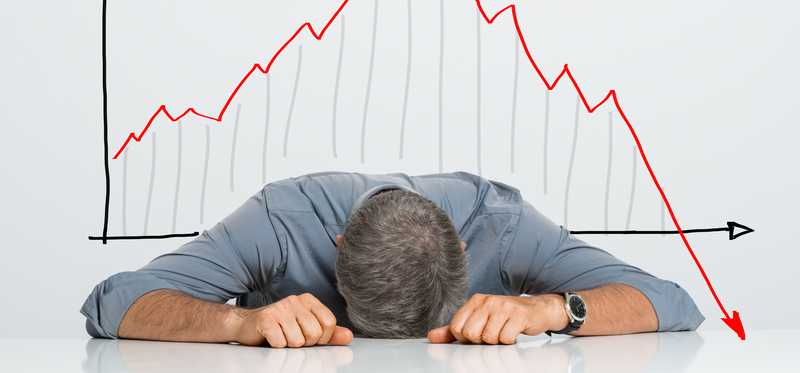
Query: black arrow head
(735, 230)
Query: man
(312, 259)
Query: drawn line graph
(732, 320)
(256, 67)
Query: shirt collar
(375, 190)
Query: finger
(491, 332)
(272, 331)
(473, 327)
(309, 324)
(461, 316)
(292, 332)
(441, 335)
(511, 329)
(341, 336)
(325, 318)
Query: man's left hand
(497, 319)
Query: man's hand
(497, 319)
(294, 321)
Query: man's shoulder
(302, 193)
(322, 191)
(493, 196)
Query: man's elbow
(683, 314)
(108, 302)
(93, 331)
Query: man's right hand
(294, 321)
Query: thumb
(341, 336)
(441, 335)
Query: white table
(707, 351)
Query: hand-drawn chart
(380, 86)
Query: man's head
(400, 266)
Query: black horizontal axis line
(700, 230)
(178, 235)
(151, 237)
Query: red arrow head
(735, 323)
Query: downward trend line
(733, 322)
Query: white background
(709, 87)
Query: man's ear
(339, 239)
(463, 245)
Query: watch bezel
(573, 317)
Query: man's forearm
(169, 315)
(617, 309)
(485, 318)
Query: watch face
(577, 307)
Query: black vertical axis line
(104, 238)
(105, 127)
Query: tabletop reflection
(671, 352)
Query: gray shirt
(281, 242)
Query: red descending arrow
(734, 322)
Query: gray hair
(400, 267)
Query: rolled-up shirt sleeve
(237, 256)
(545, 258)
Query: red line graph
(256, 67)
(733, 322)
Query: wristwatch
(576, 311)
